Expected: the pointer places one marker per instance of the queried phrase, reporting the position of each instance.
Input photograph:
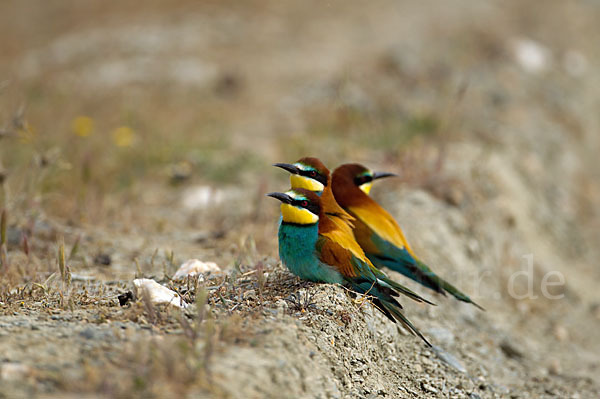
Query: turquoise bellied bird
(378, 233)
(308, 246)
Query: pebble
(87, 333)
(102, 259)
(249, 294)
(195, 267)
(554, 367)
(531, 55)
(466, 384)
(428, 388)
(14, 371)
(510, 350)
(158, 293)
(560, 332)
(200, 197)
(426, 361)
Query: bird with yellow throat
(308, 247)
(378, 233)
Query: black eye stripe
(302, 203)
(313, 174)
(360, 180)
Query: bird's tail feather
(444, 285)
(382, 296)
(392, 309)
(403, 290)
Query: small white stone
(554, 368)
(428, 388)
(14, 371)
(194, 267)
(202, 197)
(157, 293)
(531, 55)
(560, 333)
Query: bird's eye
(304, 204)
(312, 173)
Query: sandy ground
(487, 111)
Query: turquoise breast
(297, 251)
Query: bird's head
(308, 173)
(299, 206)
(358, 175)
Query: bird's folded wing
(335, 255)
(338, 249)
(382, 223)
(345, 241)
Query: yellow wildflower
(82, 126)
(123, 136)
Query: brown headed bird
(311, 174)
(378, 233)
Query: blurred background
(104, 105)
(126, 129)
(110, 108)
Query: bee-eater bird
(311, 174)
(308, 247)
(378, 233)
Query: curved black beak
(381, 175)
(289, 167)
(286, 199)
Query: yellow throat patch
(366, 187)
(298, 181)
(292, 214)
